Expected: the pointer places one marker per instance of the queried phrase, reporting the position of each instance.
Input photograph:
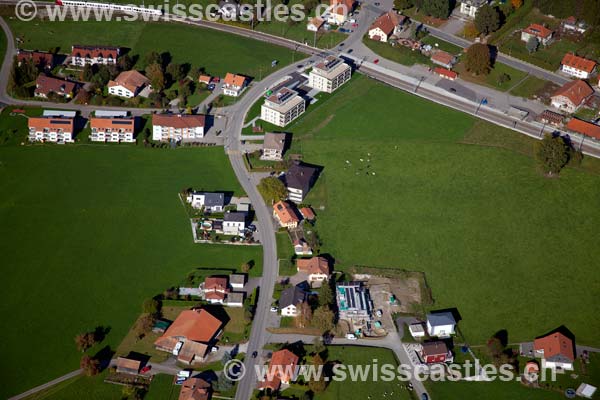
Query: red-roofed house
(82, 55)
(339, 10)
(445, 73)
(576, 66)
(443, 58)
(44, 85)
(556, 351)
(215, 289)
(385, 26)
(177, 127)
(41, 59)
(50, 129)
(317, 268)
(540, 32)
(307, 213)
(112, 129)
(128, 84)
(195, 389)
(435, 352)
(206, 79)
(584, 128)
(285, 214)
(571, 96)
(233, 84)
(282, 369)
(190, 335)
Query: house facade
(556, 350)
(386, 25)
(177, 127)
(540, 32)
(274, 146)
(571, 96)
(112, 129)
(51, 129)
(215, 289)
(578, 67)
(282, 107)
(441, 324)
(128, 84)
(213, 202)
(282, 370)
(298, 179)
(435, 352)
(317, 268)
(233, 85)
(285, 215)
(234, 223)
(338, 11)
(82, 55)
(314, 24)
(40, 59)
(290, 300)
(443, 59)
(329, 75)
(44, 85)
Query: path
(47, 385)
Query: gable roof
(434, 348)
(579, 63)
(195, 389)
(46, 84)
(198, 326)
(128, 365)
(307, 213)
(442, 57)
(79, 50)
(576, 91)
(179, 121)
(285, 213)
(556, 347)
(126, 123)
(315, 265)
(274, 140)
(215, 283)
(317, 22)
(234, 216)
(584, 127)
(387, 22)
(53, 124)
(300, 176)
(441, 319)
(39, 58)
(445, 72)
(538, 31)
(234, 80)
(291, 296)
(131, 80)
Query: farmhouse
(556, 350)
(435, 352)
(190, 335)
(57, 129)
(540, 32)
(233, 84)
(195, 389)
(212, 202)
(285, 214)
(470, 7)
(386, 25)
(584, 128)
(44, 85)
(443, 59)
(112, 129)
(290, 300)
(441, 324)
(578, 67)
(298, 179)
(282, 107)
(282, 370)
(317, 268)
(273, 146)
(177, 127)
(329, 75)
(82, 55)
(354, 301)
(40, 59)
(571, 96)
(128, 84)
(234, 223)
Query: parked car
(378, 313)
(424, 396)
(252, 227)
(376, 61)
(146, 369)
(214, 349)
(254, 354)
(351, 336)
(274, 309)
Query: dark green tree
(552, 154)
(478, 60)
(487, 19)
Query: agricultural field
(89, 232)
(430, 189)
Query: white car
(378, 313)
(177, 347)
(274, 309)
(351, 336)
(214, 349)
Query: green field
(89, 232)
(217, 52)
(491, 233)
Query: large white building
(282, 107)
(82, 55)
(576, 66)
(56, 129)
(128, 84)
(114, 129)
(177, 127)
(329, 75)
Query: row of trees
(588, 10)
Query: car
(214, 349)
(299, 66)
(254, 354)
(211, 87)
(424, 396)
(378, 313)
(377, 4)
(252, 227)
(355, 25)
(376, 61)
(350, 51)
(274, 309)
(177, 347)
(342, 44)
(452, 90)
(146, 369)
(351, 336)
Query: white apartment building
(177, 127)
(329, 75)
(112, 129)
(56, 129)
(282, 107)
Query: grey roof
(292, 295)
(235, 297)
(217, 224)
(234, 216)
(214, 199)
(300, 176)
(440, 319)
(237, 278)
(560, 358)
(274, 141)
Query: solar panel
(124, 122)
(59, 122)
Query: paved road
(47, 385)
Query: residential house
(128, 84)
(584, 128)
(338, 11)
(82, 55)
(329, 74)
(212, 202)
(282, 107)
(446, 73)
(233, 84)
(285, 214)
(469, 8)
(112, 129)
(282, 370)
(576, 66)
(206, 79)
(435, 352)
(441, 324)
(540, 32)
(571, 96)
(44, 85)
(298, 179)
(190, 335)
(556, 350)
(274, 146)
(307, 213)
(177, 127)
(215, 289)
(237, 281)
(57, 129)
(195, 389)
(386, 25)
(314, 24)
(128, 366)
(301, 248)
(234, 223)
(317, 268)
(443, 59)
(572, 25)
(353, 301)
(290, 300)
(40, 59)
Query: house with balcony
(178, 127)
(234, 85)
(299, 179)
(469, 8)
(56, 129)
(282, 107)
(329, 74)
(543, 35)
(82, 55)
(114, 129)
(577, 67)
(128, 84)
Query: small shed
(237, 281)
(417, 330)
(585, 390)
(128, 366)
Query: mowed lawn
(508, 247)
(88, 233)
(217, 52)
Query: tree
(516, 3)
(152, 306)
(88, 73)
(245, 267)
(89, 365)
(532, 44)
(325, 294)
(318, 385)
(155, 74)
(487, 19)
(272, 189)
(84, 341)
(323, 318)
(304, 315)
(318, 345)
(551, 153)
(153, 58)
(176, 71)
(503, 78)
(144, 325)
(478, 59)
(125, 62)
(403, 4)
(435, 8)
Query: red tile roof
(234, 80)
(40, 58)
(342, 7)
(198, 326)
(102, 123)
(94, 51)
(555, 344)
(584, 127)
(315, 265)
(46, 84)
(178, 120)
(281, 368)
(215, 283)
(195, 389)
(307, 213)
(538, 30)
(442, 57)
(52, 124)
(386, 22)
(445, 73)
(576, 91)
(285, 213)
(580, 63)
(204, 79)
(131, 80)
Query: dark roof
(440, 319)
(300, 176)
(235, 216)
(434, 348)
(214, 199)
(292, 295)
